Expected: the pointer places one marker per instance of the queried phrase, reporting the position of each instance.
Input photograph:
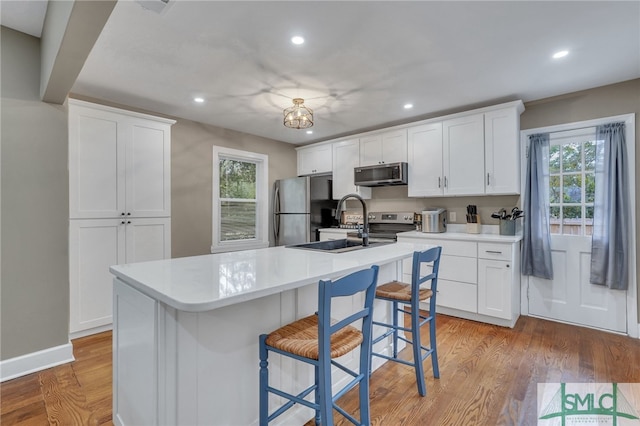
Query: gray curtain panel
(536, 249)
(611, 227)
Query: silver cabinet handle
(493, 251)
(439, 183)
(487, 179)
(445, 181)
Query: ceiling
(360, 64)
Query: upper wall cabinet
(346, 155)
(425, 174)
(119, 163)
(462, 155)
(315, 159)
(381, 148)
(502, 151)
(473, 154)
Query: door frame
(633, 324)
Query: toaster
(434, 220)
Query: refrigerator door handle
(276, 216)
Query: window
(240, 206)
(572, 161)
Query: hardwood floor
(488, 376)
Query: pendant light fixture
(298, 116)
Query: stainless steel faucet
(364, 234)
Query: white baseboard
(88, 332)
(35, 361)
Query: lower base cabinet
(478, 280)
(94, 246)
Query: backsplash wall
(394, 198)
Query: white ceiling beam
(70, 30)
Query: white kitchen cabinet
(345, 158)
(119, 163)
(478, 279)
(119, 203)
(95, 245)
(502, 151)
(384, 148)
(463, 155)
(425, 160)
(498, 270)
(315, 159)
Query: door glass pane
(572, 188)
(589, 187)
(572, 220)
(554, 159)
(554, 219)
(554, 189)
(588, 221)
(572, 157)
(238, 220)
(590, 155)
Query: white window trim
(262, 200)
(633, 327)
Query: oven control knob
(372, 216)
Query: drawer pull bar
(493, 251)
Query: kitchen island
(185, 340)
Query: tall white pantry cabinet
(119, 203)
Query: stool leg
(417, 348)
(324, 383)
(316, 370)
(264, 382)
(363, 387)
(432, 339)
(394, 313)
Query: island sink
(336, 246)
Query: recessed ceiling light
(198, 100)
(297, 40)
(309, 132)
(560, 54)
(408, 106)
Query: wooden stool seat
(400, 291)
(301, 338)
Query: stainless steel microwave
(381, 175)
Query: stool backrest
(360, 281)
(420, 257)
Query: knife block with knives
(473, 220)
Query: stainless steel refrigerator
(302, 206)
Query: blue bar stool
(317, 340)
(403, 294)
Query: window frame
(262, 200)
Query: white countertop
(202, 283)
(462, 236)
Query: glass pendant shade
(298, 116)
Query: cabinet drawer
(456, 248)
(456, 295)
(495, 251)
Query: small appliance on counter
(434, 220)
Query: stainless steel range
(383, 226)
